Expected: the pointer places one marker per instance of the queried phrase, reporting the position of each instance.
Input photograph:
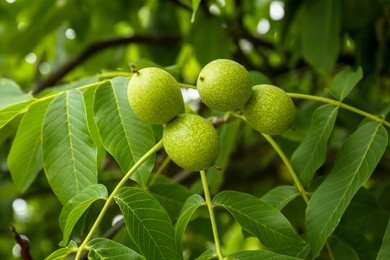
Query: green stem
(153, 150)
(286, 161)
(211, 212)
(160, 169)
(341, 104)
(112, 74)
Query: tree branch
(96, 47)
(23, 243)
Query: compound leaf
(147, 223)
(355, 162)
(69, 153)
(11, 112)
(124, 136)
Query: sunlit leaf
(62, 253)
(11, 112)
(148, 224)
(345, 81)
(384, 251)
(311, 153)
(124, 136)
(355, 162)
(11, 94)
(190, 206)
(280, 196)
(207, 255)
(260, 219)
(76, 206)
(260, 254)
(69, 153)
(102, 248)
(26, 147)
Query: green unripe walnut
(154, 95)
(269, 110)
(224, 85)
(191, 142)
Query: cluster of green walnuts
(190, 140)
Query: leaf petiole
(211, 213)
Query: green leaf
(354, 164)
(362, 204)
(207, 255)
(62, 253)
(189, 207)
(148, 224)
(259, 254)
(11, 94)
(123, 135)
(311, 153)
(280, 196)
(195, 5)
(345, 81)
(76, 206)
(25, 158)
(321, 35)
(102, 248)
(89, 99)
(384, 251)
(341, 250)
(171, 196)
(69, 153)
(11, 112)
(356, 241)
(260, 219)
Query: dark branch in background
(96, 47)
(23, 243)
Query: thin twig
(23, 243)
(96, 47)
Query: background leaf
(280, 196)
(384, 251)
(69, 153)
(26, 147)
(76, 206)
(102, 248)
(195, 5)
(321, 35)
(11, 94)
(260, 254)
(355, 162)
(260, 219)
(124, 136)
(311, 153)
(345, 81)
(11, 112)
(147, 223)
